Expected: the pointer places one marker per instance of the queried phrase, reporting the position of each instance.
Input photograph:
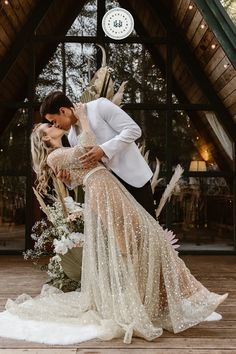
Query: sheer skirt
(133, 282)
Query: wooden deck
(218, 273)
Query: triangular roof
(203, 57)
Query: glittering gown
(133, 281)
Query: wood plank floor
(217, 273)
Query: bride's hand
(79, 111)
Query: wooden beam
(42, 59)
(23, 36)
(221, 25)
(191, 61)
(94, 39)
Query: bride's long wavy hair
(39, 152)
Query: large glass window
(13, 175)
(201, 209)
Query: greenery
(54, 237)
(230, 7)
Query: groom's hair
(53, 102)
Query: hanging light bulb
(10, 139)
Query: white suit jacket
(115, 133)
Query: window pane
(51, 76)
(203, 213)
(133, 63)
(153, 140)
(193, 139)
(85, 23)
(13, 143)
(80, 67)
(12, 212)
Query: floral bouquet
(59, 237)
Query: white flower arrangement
(75, 239)
(55, 236)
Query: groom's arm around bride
(115, 133)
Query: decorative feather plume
(102, 85)
(117, 98)
(41, 203)
(142, 148)
(155, 180)
(170, 237)
(169, 188)
(60, 188)
(146, 155)
(104, 56)
(61, 194)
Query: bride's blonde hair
(39, 152)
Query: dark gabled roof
(203, 58)
(19, 21)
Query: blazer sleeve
(127, 130)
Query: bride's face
(50, 132)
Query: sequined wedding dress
(133, 282)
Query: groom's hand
(94, 154)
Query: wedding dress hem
(133, 282)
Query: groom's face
(63, 119)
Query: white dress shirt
(116, 133)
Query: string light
(202, 26)
(6, 2)
(190, 7)
(213, 46)
(226, 65)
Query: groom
(115, 132)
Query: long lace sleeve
(68, 159)
(59, 160)
(54, 161)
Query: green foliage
(230, 7)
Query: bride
(133, 282)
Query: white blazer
(115, 133)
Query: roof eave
(221, 25)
